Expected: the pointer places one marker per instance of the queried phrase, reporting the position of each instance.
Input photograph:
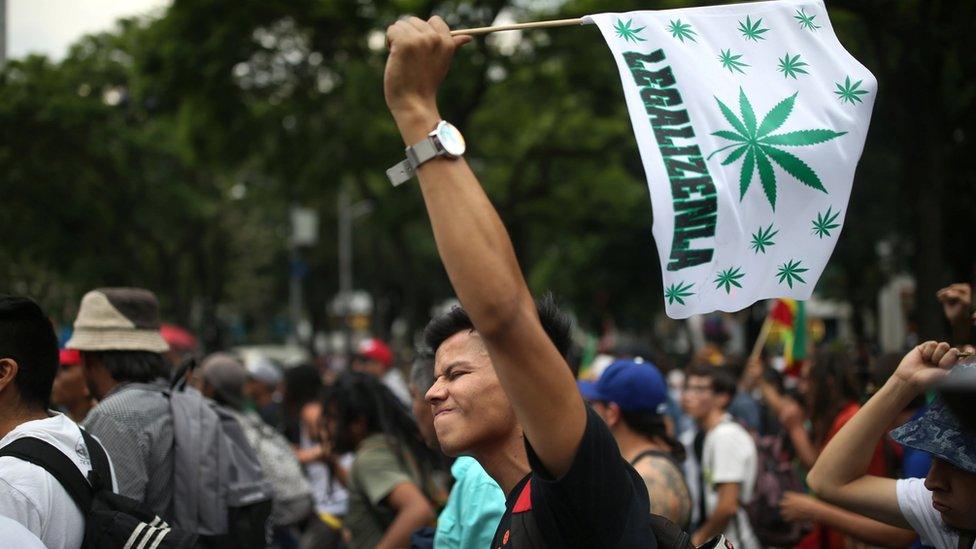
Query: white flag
(750, 119)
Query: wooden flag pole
(518, 26)
(770, 395)
(763, 335)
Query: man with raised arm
(940, 508)
(503, 391)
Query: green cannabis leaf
(752, 31)
(677, 292)
(759, 147)
(791, 66)
(762, 239)
(806, 21)
(790, 271)
(732, 62)
(729, 278)
(824, 223)
(849, 92)
(681, 30)
(628, 34)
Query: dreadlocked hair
(357, 396)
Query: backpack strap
(669, 534)
(182, 374)
(52, 460)
(655, 453)
(100, 476)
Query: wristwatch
(445, 141)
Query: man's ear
(89, 362)
(613, 414)
(8, 371)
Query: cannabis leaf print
(759, 147)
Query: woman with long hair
(391, 482)
(832, 398)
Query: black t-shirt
(600, 502)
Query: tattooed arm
(666, 487)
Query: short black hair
(303, 384)
(422, 374)
(27, 337)
(132, 366)
(556, 324)
(723, 382)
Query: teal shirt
(473, 509)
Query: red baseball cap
(70, 357)
(374, 349)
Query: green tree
(168, 152)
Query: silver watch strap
(417, 154)
(400, 173)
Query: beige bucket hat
(118, 319)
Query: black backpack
(111, 520)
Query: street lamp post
(347, 214)
(3, 32)
(304, 232)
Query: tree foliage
(167, 154)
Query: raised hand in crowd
(771, 395)
(309, 417)
(792, 417)
(957, 303)
(924, 365)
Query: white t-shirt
(915, 502)
(13, 534)
(729, 455)
(34, 498)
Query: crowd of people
(489, 440)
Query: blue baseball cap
(635, 386)
(939, 432)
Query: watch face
(450, 138)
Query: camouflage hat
(940, 433)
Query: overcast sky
(51, 26)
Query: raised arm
(477, 252)
(413, 511)
(840, 474)
(791, 417)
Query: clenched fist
(420, 56)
